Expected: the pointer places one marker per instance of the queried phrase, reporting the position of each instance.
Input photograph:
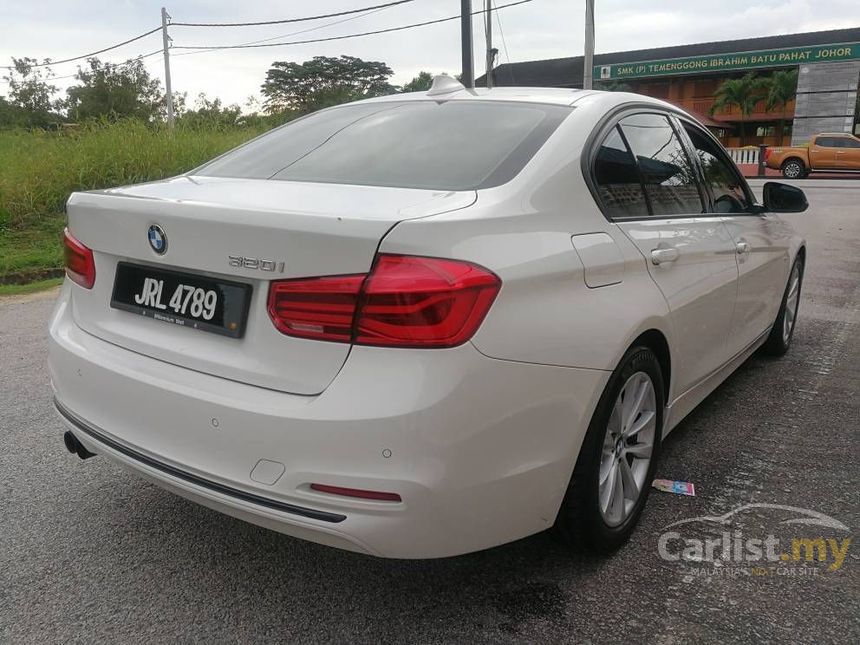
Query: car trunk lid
(298, 229)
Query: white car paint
(602, 262)
(479, 440)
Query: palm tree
(781, 88)
(744, 92)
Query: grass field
(39, 169)
(30, 287)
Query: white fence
(744, 155)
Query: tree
(30, 95)
(744, 92)
(114, 91)
(420, 83)
(208, 113)
(323, 81)
(781, 88)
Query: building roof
(567, 72)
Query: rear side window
(668, 175)
(617, 179)
(451, 145)
(723, 180)
(826, 142)
(845, 142)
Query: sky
(539, 29)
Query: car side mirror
(783, 198)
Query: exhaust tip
(76, 447)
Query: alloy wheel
(627, 448)
(793, 170)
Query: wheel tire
(793, 169)
(779, 339)
(580, 521)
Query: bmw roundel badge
(157, 239)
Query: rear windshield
(453, 145)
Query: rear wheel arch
(581, 520)
(656, 341)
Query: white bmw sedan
(424, 324)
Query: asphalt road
(88, 552)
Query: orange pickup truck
(825, 152)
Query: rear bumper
(480, 450)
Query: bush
(38, 169)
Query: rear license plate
(182, 299)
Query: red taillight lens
(767, 152)
(411, 301)
(356, 492)
(80, 266)
(406, 301)
(320, 308)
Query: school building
(828, 64)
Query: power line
(502, 34)
(365, 33)
(504, 45)
(125, 63)
(280, 22)
(100, 51)
(202, 24)
(293, 33)
(262, 43)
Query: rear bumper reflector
(357, 492)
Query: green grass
(30, 287)
(38, 171)
(32, 248)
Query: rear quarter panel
(780, 154)
(545, 312)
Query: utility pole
(588, 59)
(468, 75)
(166, 40)
(488, 30)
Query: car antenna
(444, 84)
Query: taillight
(767, 152)
(411, 301)
(320, 308)
(405, 301)
(80, 265)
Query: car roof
(554, 95)
(551, 95)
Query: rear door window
(617, 179)
(667, 172)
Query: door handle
(661, 256)
(743, 247)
